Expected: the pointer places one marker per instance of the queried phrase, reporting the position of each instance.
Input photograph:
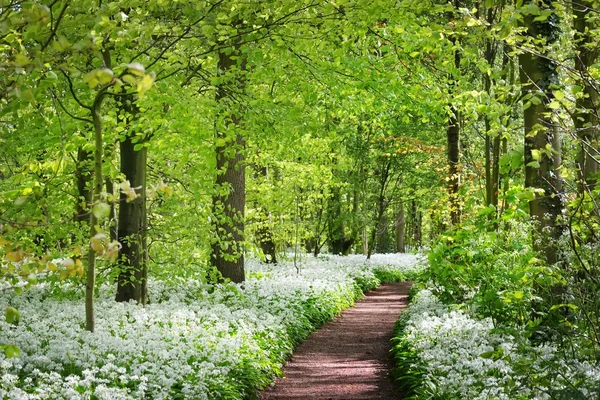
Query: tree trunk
(113, 218)
(586, 113)
(453, 140)
(132, 224)
(90, 276)
(416, 218)
(537, 74)
(492, 143)
(400, 223)
(83, 181)
(384, 174)
(264, 232)
(339, 243)
(229, 200)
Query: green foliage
(408, 370)
(496, 272)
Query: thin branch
(81, 104)
(89, 121)
(55, 27)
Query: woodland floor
(348, 358)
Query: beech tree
(539, 80)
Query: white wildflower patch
(463, 358)
(193, 341)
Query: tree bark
(83, 181)
(132, 225)
(264, 231)
(400, 223)
(90, 278)
(537, 74)
(585, 117)
(229, 200)
(416, 218)
(453, 139)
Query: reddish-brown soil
(348, 358)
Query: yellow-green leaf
(136, 69)
(11, 351)
(101, 210)
(559, 95)
(22, 60)
(104, 75)
(554, 105)
(12, 315)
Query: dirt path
(347, 359)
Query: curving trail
(348, 358)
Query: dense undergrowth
(489, 320)
(193, 341)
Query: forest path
(348, 358)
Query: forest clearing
(190, 188)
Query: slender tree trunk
(264, 232)
(339, 243)
(113, 219)
(400, 224)
(113, 222)
(416, 217)
(83, 181)
(537, 74)
(586, 114)
(384, 174)
(453, 139)
(229, 205)
(90, 280)
(492, 142)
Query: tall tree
(229, 200)
(585, 118)
(132, 221)
(453, 130)
(539, 79)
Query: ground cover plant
(192, 341)
(153, 145)
(487, 321)
(443, 352)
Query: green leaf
(12, 315)
(101, 210)
(91, 79)
(145, 83)
(136, 69)
(559, 95)
(22, 60)
(518, 295)
(554, 105)
(11, 351)
(487, 354)
(526, 194)
(543, 15)
(104, 75)
(19, 201)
